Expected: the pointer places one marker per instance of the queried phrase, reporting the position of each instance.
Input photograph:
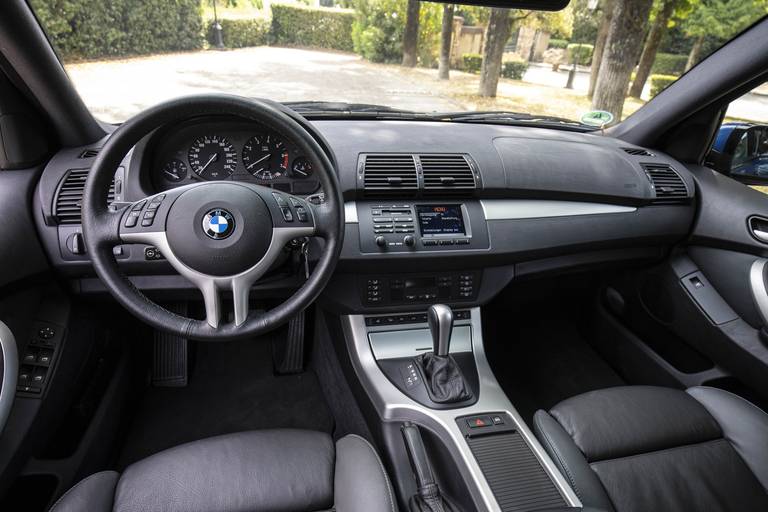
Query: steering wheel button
(281, 202)
(132, 219)
(287, 215)
(301, 214)
(138, 206)
(295, 202)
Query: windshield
(376, 55)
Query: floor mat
(542, 361)
(231, 389)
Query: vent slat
(637, 152)
(69, 197)
(89, 153)
(447, 174)
(668, 186)
(384, 174)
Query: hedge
(660, 82)
(472, 62)
(561, 44)
(89, 29)
(514, 69)
(581, 51)
(238, 33)
(669, 64)
(295, 25)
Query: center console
(425, 225)
(492, 449)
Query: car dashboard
(434, 211)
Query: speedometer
(212, 157)
(265, 157)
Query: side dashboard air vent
(89, 153)
(390, 174)
(668, 186)
(637, 152)
(69, 196)
(447, 173)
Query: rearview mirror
(741, 151)
(533, 5)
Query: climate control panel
(420, 288)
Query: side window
(740, 149)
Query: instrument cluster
(234, 151)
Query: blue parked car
(741, 150)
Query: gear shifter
(440, 318)
(443, 377)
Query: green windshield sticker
(597, 118)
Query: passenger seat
(644, 448)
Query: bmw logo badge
(218, 224)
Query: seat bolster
(361, 482)
(281, 470)
(744, 425)
(571, 462)
(95, 494)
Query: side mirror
(741, 152)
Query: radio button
(382, 219)
(463, 241)
(447, 242)
(428, 242)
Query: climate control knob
(381, 241)
(409, 240)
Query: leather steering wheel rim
(103, 227)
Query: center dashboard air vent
(389, 174)
(637, 152)
(447, 174)
(668, 186)
(69, 196)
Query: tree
(446, 39)
(411, 33)
(652, 43)
(720, 19)
(625, 40)
(600, 40)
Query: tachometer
(174, 171)
(265, 157)
(212, 157)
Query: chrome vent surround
(390, 174)
(668, 186)
(637, 152)
(89, 153)
(447, 173)
(69, 196)
(408, 174)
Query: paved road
(116, 90)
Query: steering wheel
(220, 235)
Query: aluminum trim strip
(10, 373)
(393, 406)
(515, 209)
(412, 342)
(350, 212)
(758, 289)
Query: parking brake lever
(428, 498)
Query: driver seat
(265, 470)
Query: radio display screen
(440, 219)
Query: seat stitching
(559, 458)
(381, 466)
(80, 483)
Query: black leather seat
(648, 449)
(266, 470)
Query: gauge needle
(259, 160)
(176, 176)
(213, 158)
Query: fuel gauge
(174, 171)
(301, 168)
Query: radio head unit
(436, 220)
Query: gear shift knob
(440, 318)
